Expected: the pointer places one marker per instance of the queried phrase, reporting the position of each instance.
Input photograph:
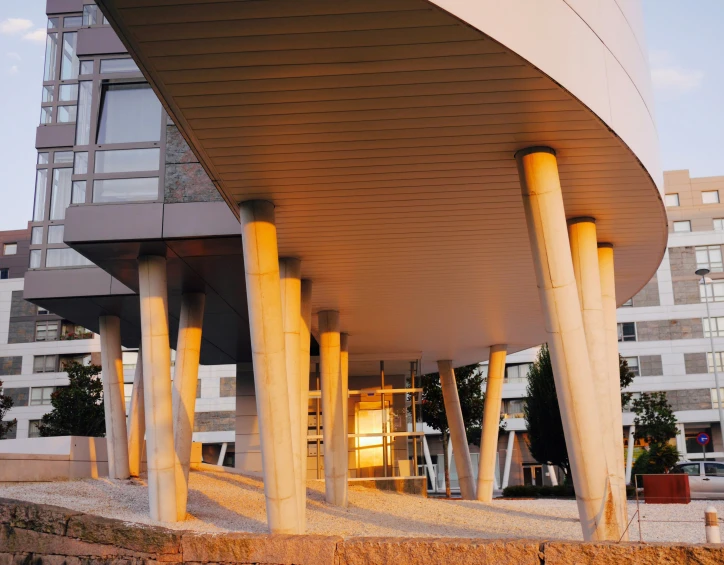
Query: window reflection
(68, 92)
(66, 114)
(125, 190)
(82, 131)
(119, 66)
(65, 257)
(41, 181)
(69, 65)
(36, 237)
(127, 160)
(129, 113)
(78, 192)
(51, 54)
(55, 234)
(60, 196)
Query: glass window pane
(55, 234)
(66, 114)
(60, 196)
(52, 23)
(90, 15)
(51, 55)
(710, 197)
(41, 182)
(130, 112)
(127, 160)
(78, 192)
(82, 131)
(86, 67)
(72, 21)
(70, 64)
(118, 66)
(80, 165)
(682, 226)
(49, 363)
(68, 92)
(10, 249)
(35, 259)
(672, 199)
(46, 115)
(48, 93)
(65, 257)
(42, 158)
(125, 190)
(63, 157)
(36, 236)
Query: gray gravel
(228, 502)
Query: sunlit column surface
(160, 456)
(113, 396)
(608, 297)
(458, 438)
(291, 288)
(185, 382)
(305, 337)
(491, 423)
(550, 247)
(136, 421)
(266, 328)
(334, 428)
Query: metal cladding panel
(54, 135)
(98, 41)
(199, 219)
(61, 283)
(113, 222)
(53, 7)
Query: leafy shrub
(530, 491)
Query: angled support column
(266, 326)
(550, 247)
(113, 397)
(458, 438)
(608, 298)
(629, 453)
(491, 423)
(136, 421)
(508, 459)
(160, 456)
(334, 428)
(185, 381)
(290, 271)
(305, 339)
(584, 252)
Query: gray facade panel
(689, 399)
(54, 135)
(695, 363)
(650, 366)
(99, 41)
(61, 283)
(21, 331)
(664, 330)
(19, 307)
(214, 421)
(200, 219)
(20, 396)
(648, 295)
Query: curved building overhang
(384, 132)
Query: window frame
(715, 199)
(622, 337)
(45, 358)
(637, 371)
(672, 196)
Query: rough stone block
(221, 421)
(36, 517)
(227, 386)
(424, 551)
(561, 553)
(249, 548)
(188, 182)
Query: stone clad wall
(39, 534)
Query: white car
(706, 478)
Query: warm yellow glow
(368, 420)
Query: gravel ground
(228, 502)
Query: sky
(686, 49)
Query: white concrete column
(344, 377)
(266, 326)
(160, 455)
(629, 453)
(458, 438)
(545, 216)
(136, 421)
(305, 338)
(585, 255)
(428, 464)
(508, 459)
(552, 475)
(114, 403)
(491, 423)
(290, 271)
(334, 428)
(681, 440)
(185, 382)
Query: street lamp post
(702, 273)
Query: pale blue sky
(686, 46)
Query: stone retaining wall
(37, 534)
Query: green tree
(655, 424)
(78, 407)
(546, 439)
(6, 403)
(469, 380)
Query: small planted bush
(530, 491)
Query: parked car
(706, 478)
